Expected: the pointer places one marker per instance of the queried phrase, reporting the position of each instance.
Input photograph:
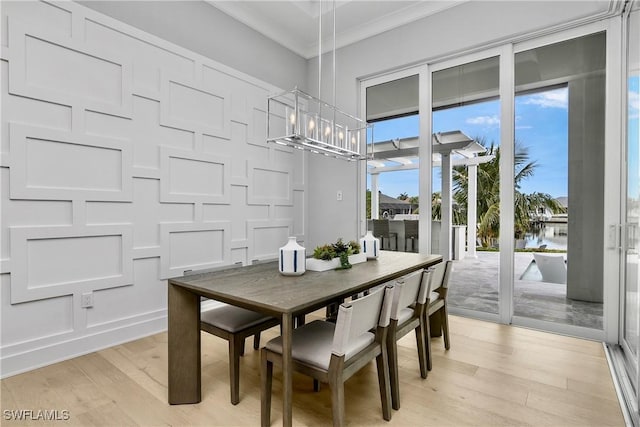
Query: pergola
(449, 149)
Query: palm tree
(436, 209)
(488, 209)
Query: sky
(633, 137)
(541, 125)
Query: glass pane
(631, 297)
(633, 220)
(466, 223)
(559, 182)
(392, 183)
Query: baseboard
(38, 357)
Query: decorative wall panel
(124, 160)
(189, 106)
(266, 237)
(54, 261)
(188, 177)
(194, 247)
(269, 184)
(126, 297)
(46, 66)
(149, 57)
(95, 168)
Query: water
(552, 235)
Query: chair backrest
(407, 292)
(361, 315)
(440, 275)
(410, 228)
(425, 287)
(380, 227)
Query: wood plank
(474, 383)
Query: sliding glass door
(559, 121)
(523, 196)
(509, 145)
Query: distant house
(390, 206)
(545, 215)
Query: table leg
(287, 371)
(184, 346)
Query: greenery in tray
(325, 252)
(338, 249)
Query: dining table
(262, 288)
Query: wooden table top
(261, 287)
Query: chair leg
(445, 326)
(392, 354)
(435, 324)
(242, 348)
(266, 377)
(256, 341)
(427, 339)
(382, 364)
(337, 405)
(422, 351)
(337, 399)
(316, 385)
(235, 350)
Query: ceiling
(294, 23)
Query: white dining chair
(332, 353)
(436, 310)
(408, 314)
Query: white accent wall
(124, 160)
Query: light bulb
(312, 124)
(340, 136)
(353, 140)
(292, 118)
(327, 131)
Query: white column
(445, 208)
(472, 207)
(375, 199)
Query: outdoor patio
(474, 285)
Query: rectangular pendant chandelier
(299, 120)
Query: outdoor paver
(473, 285)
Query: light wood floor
(493, 375)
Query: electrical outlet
(86, 300)
(339, 195)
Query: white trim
(140, 326)
(507, 149)
(613, 178)
(346, 37)
(425, 152)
